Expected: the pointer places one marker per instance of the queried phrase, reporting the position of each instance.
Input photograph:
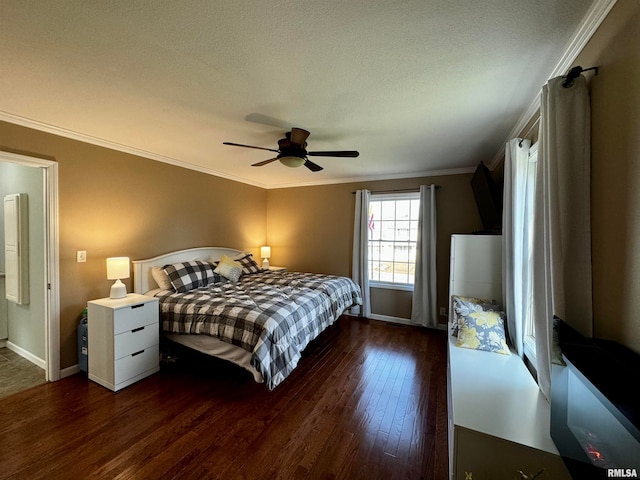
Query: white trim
(399, 321)
(26, 355)
(101, 142)
(407, 287)
(67, 372)
(53, 268)
(52, 300)
(590, 23)
(396, 196)
(371, 178)
(387, 318)
(529, 347)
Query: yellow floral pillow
(461, 306)
(482, 329)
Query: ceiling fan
(292, 151)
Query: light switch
(81, 256)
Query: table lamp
(117, 268)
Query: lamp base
(118, 290)
(265, 264)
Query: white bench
(498, 419)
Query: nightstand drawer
(124, 338)
(135, 340)
(134, 316)
(136, 363)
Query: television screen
(488, 199)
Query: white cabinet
(476, 266)
(16, 248)
(499, 422)
(124, 338)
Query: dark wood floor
(367, 401)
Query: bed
(261, 320)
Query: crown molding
(63, 132)
(374, 178)
(590, 23)
(101, 142)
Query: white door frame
(52, 267)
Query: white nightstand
(124, 340)
(277, 269)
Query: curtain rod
(405, 190)
(568, 81)
(575, 73)
(529, 131)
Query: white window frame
(385, 284)
(529, 341)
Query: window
(393, 233)
(529, 180)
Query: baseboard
(27, 355)
(387, 318)
(3, 343)
(67, 372)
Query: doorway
(44, 267)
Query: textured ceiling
(416, 86)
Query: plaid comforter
(273, 315)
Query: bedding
(272, 315)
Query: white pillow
(161, 278)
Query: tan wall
(615, 196)
(311, 229)
(116, 204)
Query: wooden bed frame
(144, 284)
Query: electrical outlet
(443, 312)
(81, 256)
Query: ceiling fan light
(292, 162)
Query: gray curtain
(562, 227)
(360, 261)
(424, 308)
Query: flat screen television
(488, 200)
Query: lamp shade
(292, 162)
(265, 252)
(117, 268)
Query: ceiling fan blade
(299, 135)
(314, 167)
(264, 162)
(343, 153)
(268, 120)
(249, 146)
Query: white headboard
(143, 280)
